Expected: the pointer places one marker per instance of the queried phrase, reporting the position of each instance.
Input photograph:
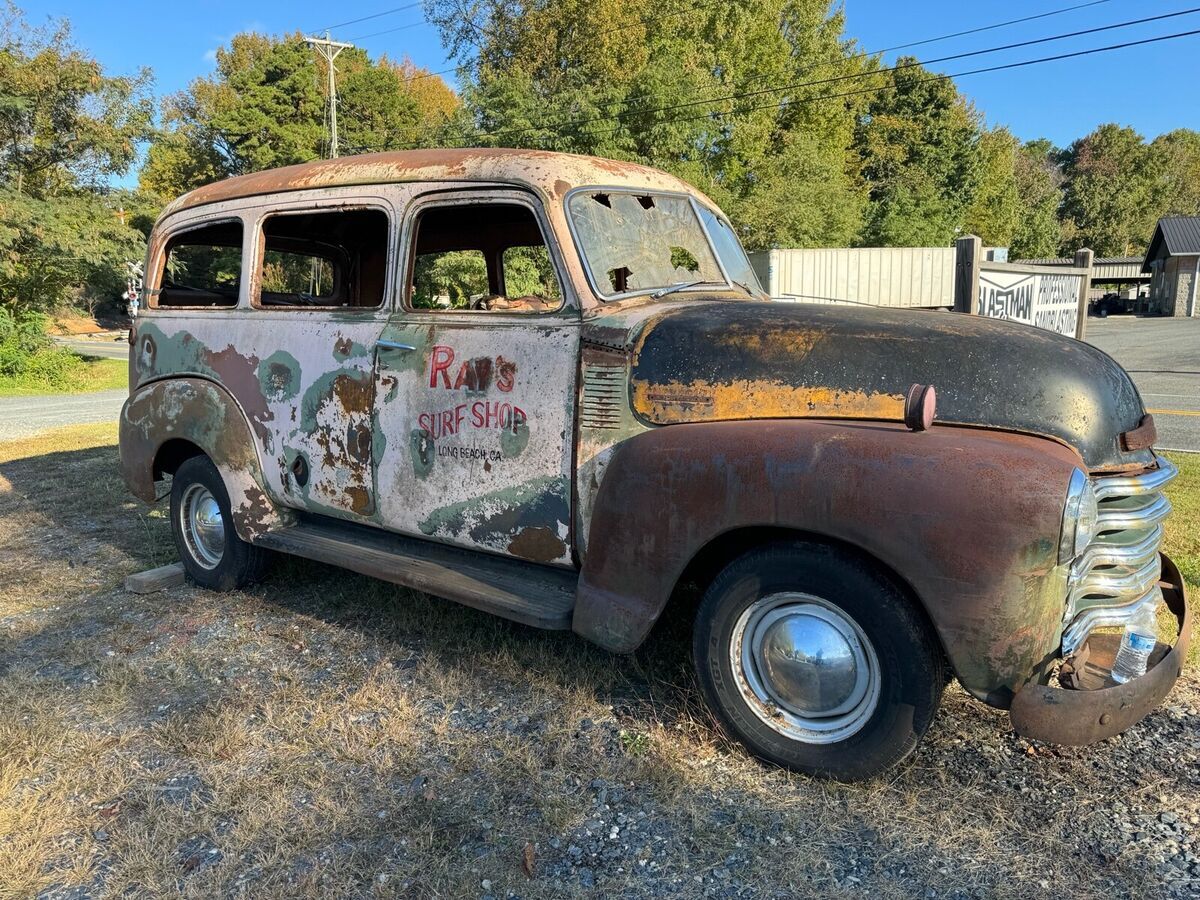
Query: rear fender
(969, 519)
(206, 415)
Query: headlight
(1079, 517)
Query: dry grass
(331, 736)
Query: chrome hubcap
(805, 668)
(202, 526)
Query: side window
(485, 257)
(335, 259)
(202, 267)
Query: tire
(213, 555)
(849, 721)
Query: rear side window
(329, 260)
(203, 267)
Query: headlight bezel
(1080, 517)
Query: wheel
(212, 553)
(817, 662)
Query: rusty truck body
(550, 387)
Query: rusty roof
(552, 174)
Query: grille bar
(1120, 569)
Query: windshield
(729, 249)
(635, 243)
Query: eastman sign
(1049, 301)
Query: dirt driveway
(324, 735)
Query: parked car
(550, 387)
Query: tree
(265, 106)
(995, 212)
(919, 144)
(660, 85)
(65, 127)
(1039, 181)
(1108, 202)
(1175, 168)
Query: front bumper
(1096, 707)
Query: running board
(535, 595)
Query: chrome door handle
(393, 345)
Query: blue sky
(1151, 87)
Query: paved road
(23, 416)
(105, 347)
(1163, 356)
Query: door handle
(394, 345)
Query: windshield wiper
(681, 286)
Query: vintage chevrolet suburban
(550, 387)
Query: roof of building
(552, 174)
(1070, 261)
(1173, 236)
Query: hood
(709, 360)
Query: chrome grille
(1120, 569)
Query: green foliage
(995, 210)
(65, 127)
(1039, 183)
(265, 106)
(456, 274)
(1109, 195)
(919, 145)
(1175, 167)
(528, 272)
(64, 123)
(53, 249)
(634, 81)
(26, 353)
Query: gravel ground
(323, 735)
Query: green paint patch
(513, 441)
(279, 376)
(345, 348)
(423, 452)
(499, 515)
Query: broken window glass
(637, 242)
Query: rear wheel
(211, 552)
(815, 661)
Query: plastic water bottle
(1141, 634)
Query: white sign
(1047, 301)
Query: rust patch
(360, 499)
(353, 394)
(239, 374)
(675, 403)
(343, 346)
(538, 544)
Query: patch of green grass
(1183, 530)
(90, 375)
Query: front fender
(204, 414)
(968, 518)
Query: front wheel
(816, 662)
(211, 552)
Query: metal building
(1173, 262)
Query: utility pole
(329, 50)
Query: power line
(386, 12)
(742, 95)
(363, 37)
(982, 28)
(932, 77)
